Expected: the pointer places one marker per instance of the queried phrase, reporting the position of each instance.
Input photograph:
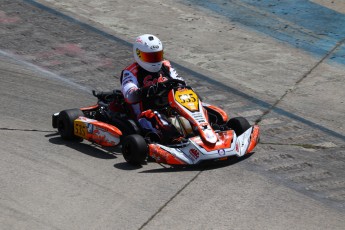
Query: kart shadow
(201, 167)
(126, 166)
(112, 152)
(86, 148)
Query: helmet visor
(152, 57)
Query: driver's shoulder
(133, 68)
(129, 72)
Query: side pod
(96, 131)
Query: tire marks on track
(318, 177)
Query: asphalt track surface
(51, 61)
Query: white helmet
(148, 52)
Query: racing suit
(135, 83)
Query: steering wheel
(166, 86)
(161, 88)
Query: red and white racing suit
(133, 80)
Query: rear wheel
(238, 124)
(65, 123)
(127, 127)
(134, 149)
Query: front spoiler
(194, 152)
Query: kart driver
(138, 81)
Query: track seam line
(306, 146)
(298, 82)
(171, 199)
(28, 130)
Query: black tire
(127, 127)
(65, 123)
(134, 149)
(238, 124)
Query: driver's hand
(152, 90)
(162, 79)
(149, 91)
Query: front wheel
(134, 149)
(239, 125)
(65, 123)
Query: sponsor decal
(188, 99)
(131, 90)
(221, 152)
(127, 81)
(149, 80)
(223, 159)
(139, 40)
(194, 153)
(89, 128)
(127, 76)
(154, 47)
(209, 135)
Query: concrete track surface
(279, 65)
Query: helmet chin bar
(151, 67)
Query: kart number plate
(80, 129)
(188, 99)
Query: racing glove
(149, 91)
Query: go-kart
(207, 133)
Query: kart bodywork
(208, 134)
(196, 151)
